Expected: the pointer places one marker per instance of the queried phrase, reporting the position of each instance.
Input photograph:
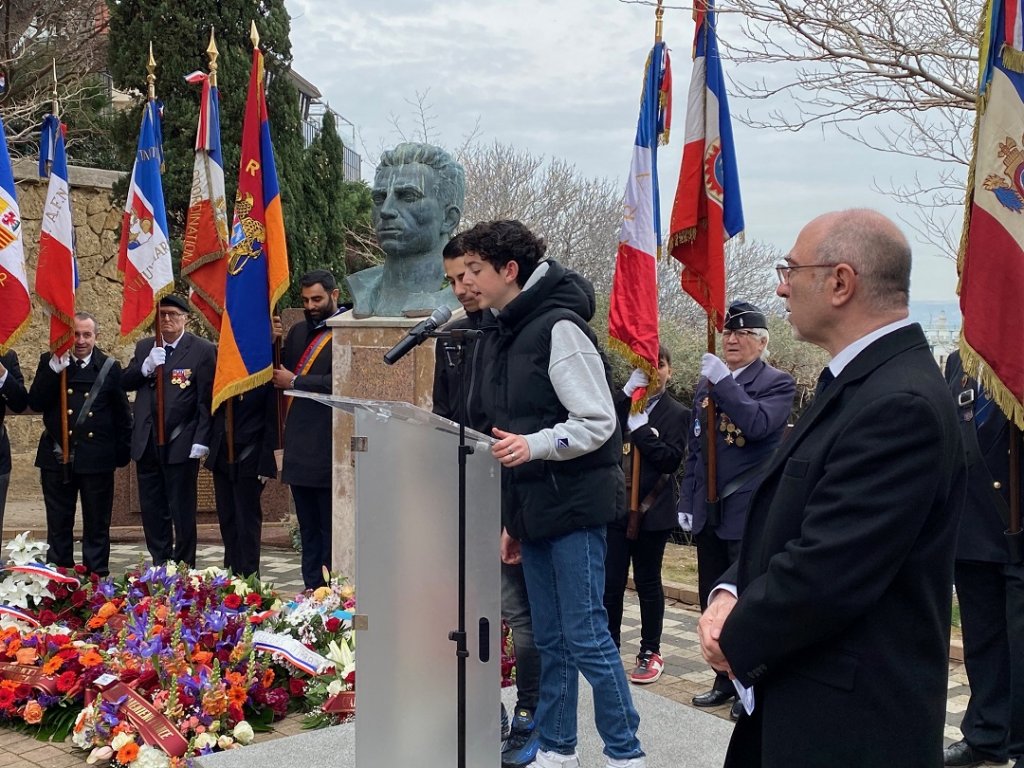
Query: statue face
(406, 212)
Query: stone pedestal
(360, 371)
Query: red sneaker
(648, 669)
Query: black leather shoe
(737, 710)
(712, 698)
(963, 755)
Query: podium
(407, 587)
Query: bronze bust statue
(418, 193)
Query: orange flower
(107, 610)
(157, 629)
(234, 678)
(90, 658)
(237, 695)
(95, 622)
(27, 656)
(52, 665)
(33, 713)
(202, 657)
(127, 753)
(14, 645)
(268, 678)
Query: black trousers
(646, 553)
(5, 481)
(241, 521)
(167, 498)
(991, 597)
(97, 494)
(313, 510)
(714, 556)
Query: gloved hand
(712, 368)
(198, 451)
(636, 420)
(686, 521)
(157, 356)
(58, 364)
(637, 379)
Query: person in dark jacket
(308, 436)
(559, 446)
(13, 397)
(520, 746)
(989, 586)
(238, 480)
(99, 433)
(168, 476)
(658, 435)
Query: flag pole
(161, 439)
(65, 435)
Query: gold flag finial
(54, 102)
(151, 76)
(212, 53)
(659, 12)
(254, 35)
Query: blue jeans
(565, 582)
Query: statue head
(418, 193)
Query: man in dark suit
(14, 397)
(840, 634)
(238, 479)
(167, 475)
(99, 433)
(752, 403)
(658, 435)
(989, 586)
(308, 434)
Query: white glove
(157, 356)
(712, 368)
(637, 379)
(686, 521)
(199, 451)
(636, 420)
(58, 364)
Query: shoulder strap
(93, 393)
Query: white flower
(226, 742)
(151, 757)
(242, 732)
(204, 740)
(24, 550)
(342, 656)
(81, 735)
(336, 686)
(99, 755)
(121, 739)
(240, 587)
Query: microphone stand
(455, 343)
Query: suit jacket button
(70, 412)
(90, 434)
(997, 485)
(90, 414)
(71, 391)
(70, 432)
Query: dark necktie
(169, 350)
(824, 379)
(80, 363)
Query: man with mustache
(306, 468)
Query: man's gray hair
(451, 176)
(89, 316)
(762, 333)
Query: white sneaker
(545, 759)
(630, 762)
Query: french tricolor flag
(56, 272)
(144, 257)
(707, 210)
(15, 304)
(633, 307)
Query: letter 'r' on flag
(257, 268)
(144, 256)
(707, 211)
(633, 306)
(205, 253)
(15, 304)
(56, 272)
(991, 262)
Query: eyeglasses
(783, 270)
(739, 333)
(171, 315)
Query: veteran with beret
(752, 401)
(167, 474)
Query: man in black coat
(839, 639)
(167, 475)
(99, 435)
(989, 586)
(308, 434)
(14, 397)
(238, 483)
(658, 435)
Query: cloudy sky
(562, 78)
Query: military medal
(181, 377)
(696, 427)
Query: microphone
(417, 335)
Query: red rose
(254, 598)
(296, 687)
(66, 682)
(332, 624)
(47, 617)
(278, 700)
(78, 598)
(350, 678)
(233, 602)
(6, 698)
(235, 713)
(79, 569)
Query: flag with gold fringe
(633, 306)
(15, 303)
(991, 259)
(707, 211)
(257, 268)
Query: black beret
(174, 300)
(742, 314)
